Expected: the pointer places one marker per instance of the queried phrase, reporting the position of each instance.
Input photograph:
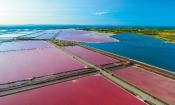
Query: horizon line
(87, 25)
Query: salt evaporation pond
(19, 65)
(90, 90)
(9, 35)
(42, 35)
(91, 56)
(61, 34)
(152, 83)
(84, 36)
(24, 45)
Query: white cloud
(101, 13)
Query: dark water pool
(142, 48)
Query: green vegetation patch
(162, 33)
(64, 43)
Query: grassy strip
(161, 33)
(64, 43)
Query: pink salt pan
(91, 90)
(154, 84)
(19, 65)
(84, 36)
(24, 45)
(91, 56)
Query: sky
(91, 12)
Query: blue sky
(114, 12)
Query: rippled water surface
(143, 48)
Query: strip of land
(167, 34)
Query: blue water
(142, 48)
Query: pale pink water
(154, 84)
(24, 45)
(18, 65)
(91, 56)
(84, 36)
(91, 90)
